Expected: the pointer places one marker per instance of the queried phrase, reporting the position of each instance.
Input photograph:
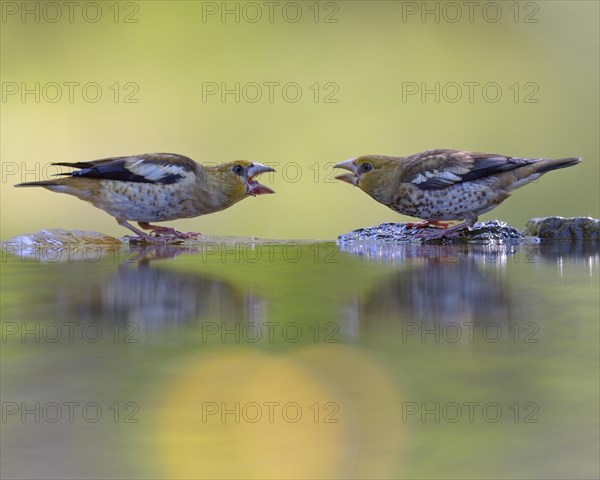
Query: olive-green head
(230, 182)
(375, 175)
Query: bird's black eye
(367, 167)
(237, 169)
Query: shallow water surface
(243, 359)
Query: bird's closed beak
(351, 178)
(255, 188)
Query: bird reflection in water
(577, 251)
(152, 297)
(460, 285)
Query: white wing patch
(154, 171)
(459, 169)
(444, 177)
(448, 175)
(419, 179)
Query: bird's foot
(427, 223)
(437, 223)
(166, 232)
(155, 239)
(157, 231)
(436, 233)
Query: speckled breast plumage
(458, 201)
(144, 202)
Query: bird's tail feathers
(73, 165)
(42, 183)
(554, 164)
(48, 183)
(59, 181)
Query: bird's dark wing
(165, 168)
(437, 169)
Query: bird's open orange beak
(351, 178)
(255, 188)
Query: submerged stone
(559, 228)
(59, 237)
(59, 245)
(494, 230)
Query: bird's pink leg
(451, 232)
(437, 223)
(423, 224)
(139, 233)
(143, 236)
(167, 231)
(427, 223)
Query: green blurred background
(544, 56)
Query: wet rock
(493, 230)
(59, 245)
(57, 237)
(559, 228)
